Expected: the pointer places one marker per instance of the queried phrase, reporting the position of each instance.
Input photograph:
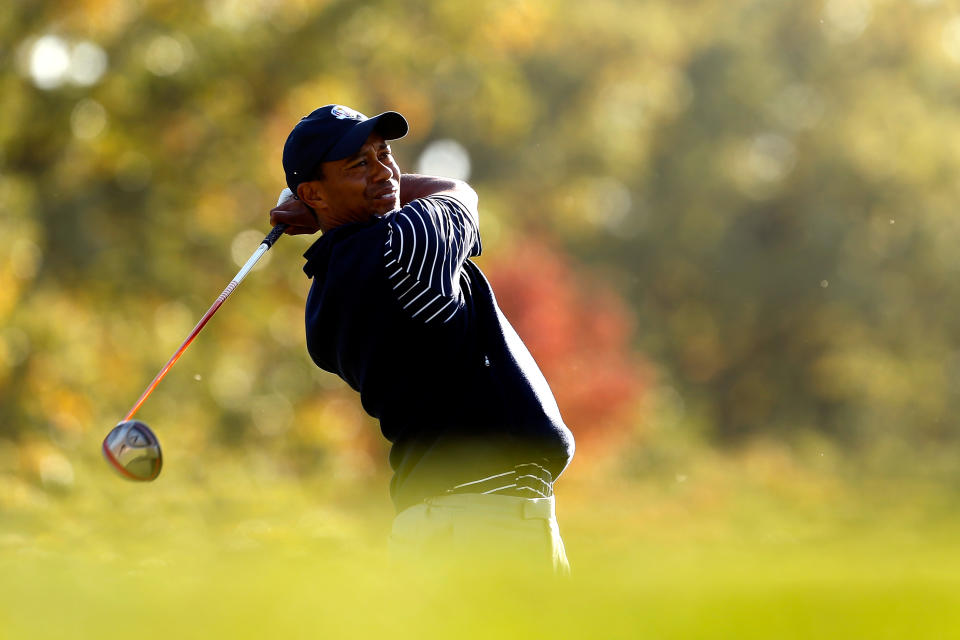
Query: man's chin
(386, 206)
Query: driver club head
(133, 451)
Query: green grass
(241, 553)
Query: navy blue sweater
(400, 313)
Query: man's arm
(414, 186)
(428, 241)
(301, 219)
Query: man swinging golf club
(399, 311)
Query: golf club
(134, 436)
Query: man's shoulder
(438, 205)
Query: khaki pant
(482, 531)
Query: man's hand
(298, 217)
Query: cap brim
(390, 124)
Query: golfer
(399, 311)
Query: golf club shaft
(275, 233)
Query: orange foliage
(579, 331)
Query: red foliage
(579, 332)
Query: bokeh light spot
(286, 325)
(272, 414)
(764, 163)
(798, 106)
(25, 259)
(770, 157)
(446, 158)
(88, 63)
(173, 321)
(88, 119)
(235, 14)
(231, 382)
(847, 19)
(165, 56)
(950, 39)
(55, 470)
(609, 204)
(49, 62)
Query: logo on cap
(346, 113)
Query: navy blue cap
(333, 132)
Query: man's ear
(312, 196)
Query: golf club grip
(274, 234)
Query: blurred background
(727, 231)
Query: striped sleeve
(427, 242)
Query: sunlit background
(727, 229)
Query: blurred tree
(579, 332)
(771, 184)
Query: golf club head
(134, 451)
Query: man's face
(362, 185)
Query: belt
(527, 480)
